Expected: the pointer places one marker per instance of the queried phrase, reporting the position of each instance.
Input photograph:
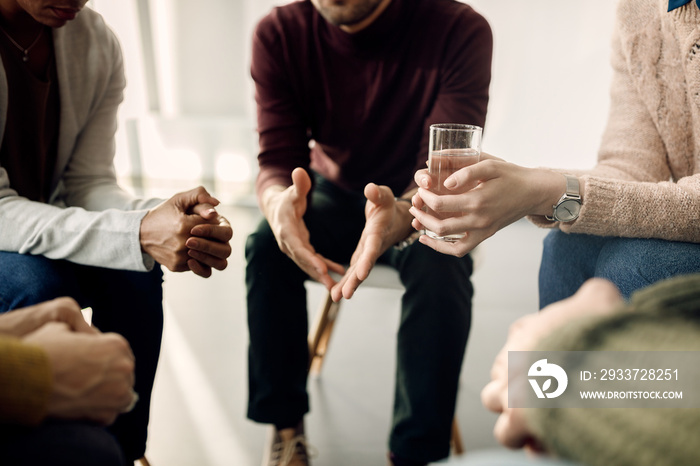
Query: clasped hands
(187, 233)
(385, 225)
(92, 373)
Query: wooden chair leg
(457, 446)
(320, 333)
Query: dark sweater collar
(375, 37)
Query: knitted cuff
(26, 382)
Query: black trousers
(59, 443)
(432, 336)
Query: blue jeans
(128, 303)
(568, 260)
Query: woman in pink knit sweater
(635, 217)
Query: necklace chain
(22, 49)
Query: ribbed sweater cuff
(26, 382)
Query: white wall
(549, 94)
(551, 73)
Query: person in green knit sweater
(661, 317)
(60, 381)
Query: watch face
(568, 210)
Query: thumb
(380, 195)
(205, 210)
(185, 201)
(203, 197)
(301, 181)
(491, 396)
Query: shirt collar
(673, 4)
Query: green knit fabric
(664, 317)
(679, 296)
(25, 382)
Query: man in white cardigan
(66, 227)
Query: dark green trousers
(432, 336)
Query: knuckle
(221, 265)
(125, 365)
(204, 247)
(63, 308)
(123, 391)
(67, 303)
(490, 163)
(116, 342)
(180, 267)
(438, 203)
(481, 223)
(204, 229)
(441, 230)
(182, 227)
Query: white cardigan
(89, 219)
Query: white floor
(198, 412)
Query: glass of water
(452, 147)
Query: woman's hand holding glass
(490, 194)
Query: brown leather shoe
(286, 447)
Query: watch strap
(573, 189)
(573, 192)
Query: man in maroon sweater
(346, 91)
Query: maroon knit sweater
(366, 99)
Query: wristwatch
(410, 239)
(569, 206)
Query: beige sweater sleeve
(646, 182)
(25, 382)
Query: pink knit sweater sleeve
(646, 183)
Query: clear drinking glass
(452, 146)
